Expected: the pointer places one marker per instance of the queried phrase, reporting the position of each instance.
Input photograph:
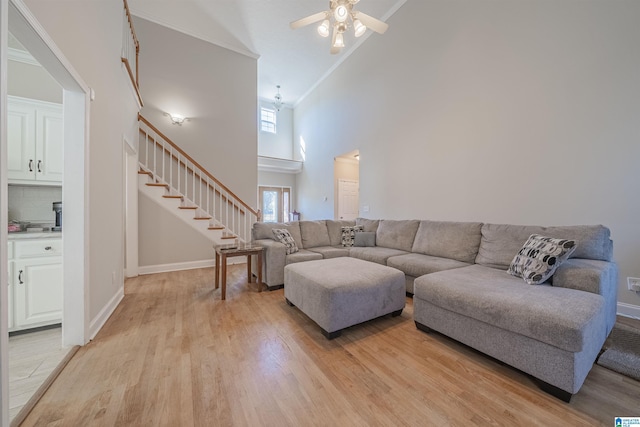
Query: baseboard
(629, 310)
(189, 265)
(98, 322)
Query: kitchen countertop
(21, 235)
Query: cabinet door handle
(40, 166)
(30, 165)
(20, 278)
(47, 248)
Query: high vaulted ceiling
(294, 59)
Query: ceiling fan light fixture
(359, 28)
(339, 41)
(323, 29)
(341, 13)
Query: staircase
(177, 182)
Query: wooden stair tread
(145, 173)
(215, 228)
(157, 184)
(228, 237)
(187, 207)
(202, 218)
(171, 197)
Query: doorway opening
(275, 203)
(346, 173)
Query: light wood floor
(32, 358)
(173, 354)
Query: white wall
(489, 110)
(89, 35)
(280, 144)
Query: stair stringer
(187, 216)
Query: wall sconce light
(176, 119)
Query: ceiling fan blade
(308, 20)
(375, 24)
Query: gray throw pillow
(540, 257)
(364, 239)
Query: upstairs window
(267, 120)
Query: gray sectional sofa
(457, 273)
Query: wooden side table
(227, 251)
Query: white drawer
(10, 250)
(38, 248)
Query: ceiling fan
(341, 16)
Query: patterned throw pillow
(539, 258)
(349, 233)
(283, 236)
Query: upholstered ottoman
(340, 292)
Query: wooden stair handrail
(224, 197)
(135, 38)
(197, 165)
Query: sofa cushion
(557, 316)
(501, 242)
(301, 256)
(397, 234)
(262, 230)
(314, 233)
(335, 230)
(283, 236)
(454, 240)
(365, 239)
(328, 252)
(349, 234)
(376, 254)
(539, 258)
(417, 265)
(368, 224)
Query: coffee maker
(57, 208)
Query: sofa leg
(332, 335)
(274, 288)
(423, 328)
(554, 391)
(396, 313)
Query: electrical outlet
(633, 284)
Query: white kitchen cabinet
(35, 141)
(37, 283)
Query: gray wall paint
(497, 111)
(32, 81)
(89, 35)
(216, 89)
(167, 240)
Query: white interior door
(348, 199)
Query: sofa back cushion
(501, 242)
(314, 234)
(396, 234)
(262, 230)
(454, 240)
(335, 231)
(368, 224)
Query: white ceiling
(295, 59)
